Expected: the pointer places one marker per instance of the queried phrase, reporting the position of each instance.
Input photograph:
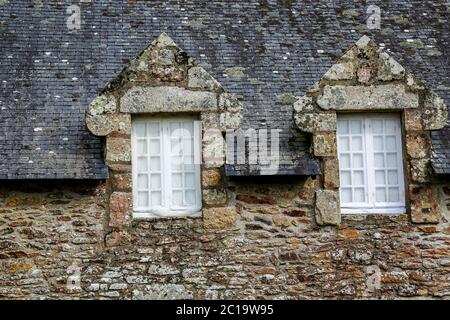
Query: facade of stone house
(132, 185)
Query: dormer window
(370, 163)
(166, 167)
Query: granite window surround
(164, 81)
(366, 79)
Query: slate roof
(266, 51)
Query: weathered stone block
(213, 149)
(219, 218)
(413, 120)
(199, 78)
(118, 149)
(120, 209)
(214, 197)
(418, 144)
(211, 177)
(304, 104)
(230, 120)
(163, 40)
(102, 125)
(281, 221)
(210, 120)
(434, 113)
(117, 238)
(365, 73)
(121, 181)
(421, 170)
(253, 199)
(314, 122)
(103, 104)
(389, 69)
(327, 207)
(230, 102)
(424, 201)
(340, 71)
(331, 173)
(383, 97)
(165, 57)
(324, 144)
(167, 99)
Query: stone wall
(274, 250)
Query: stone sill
(375, 217)
(173, 215)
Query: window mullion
(370, 168)
(167, 161)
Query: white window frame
(167, 209)
(373, 207)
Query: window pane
(390, 126)
(344, 144)
(392, 177)
(357, 144)
(143, 199)
(177, 180)
(358, 178)
(381, 194)
(342, 127)
(189, 180)
(380, 177)
(358, 195)
(153, 129)
(344, 161)
(189, 128)
(174, 126)
(140, 129)
(378, 144)
(142, 164)
(346, 195)
(394, 195)
(176, 146)
(142, 182)
(391, 160)
(141, 147)
(356, 126)
(357, 161)
(155, 181)
(155, 164)
(176, 163)
(391, 144)
(177, 198)
(378, 160)
(346, 178)
(156, 198)
(154, 146)
(377, 126)
(190, 197)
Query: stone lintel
(359, 98)
(167, 99)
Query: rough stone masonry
(274, 250)
(259, 238)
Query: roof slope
(266, 51)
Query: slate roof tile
(50, 74)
